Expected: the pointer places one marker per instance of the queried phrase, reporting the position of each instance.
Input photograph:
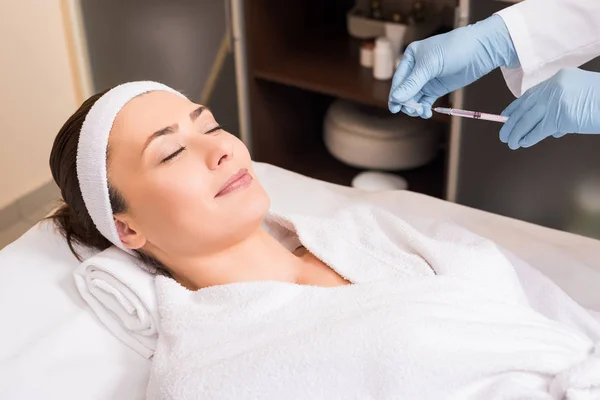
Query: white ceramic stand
(373, 181)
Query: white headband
(91, 153)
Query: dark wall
(538, 184)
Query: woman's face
(177, 171)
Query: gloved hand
(569, 102)
(441, 64)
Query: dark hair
(72, 217)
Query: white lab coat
(550, 35)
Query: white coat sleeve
(550, 35)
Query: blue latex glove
(569, 102)
(444, 63)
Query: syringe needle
(471, 114)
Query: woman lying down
(358, 304)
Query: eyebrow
(196, 113)
(172, 128)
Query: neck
(258, 257)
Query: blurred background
(303, 82)
(56, 53)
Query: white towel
(123, 297)
(469, 331)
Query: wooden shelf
(330, 67)
(319, 164)
(300, 58)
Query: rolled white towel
(123, 297)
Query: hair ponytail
(76, 232)
(72, 218)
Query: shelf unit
(299, 59)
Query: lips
(237, 181)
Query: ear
(130, 236)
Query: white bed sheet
(52, 347)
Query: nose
(219, 152)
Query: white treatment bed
(53, 347)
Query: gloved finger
(537, 134)
(507, 112)
(532, 142)
(412, 84)
(404, 69)
(558, 135)
(427, 103)
(524, 129)
(393, 107)
(412, 111)
(518, 108)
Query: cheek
(171, 197)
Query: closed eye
(215, 129)
(173, 155)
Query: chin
(248, 217)
(261, 203)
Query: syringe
(471, 114)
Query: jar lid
(397, 17)
(368, 45)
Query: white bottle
(383, 59)
(395, 32)
(366, 54)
